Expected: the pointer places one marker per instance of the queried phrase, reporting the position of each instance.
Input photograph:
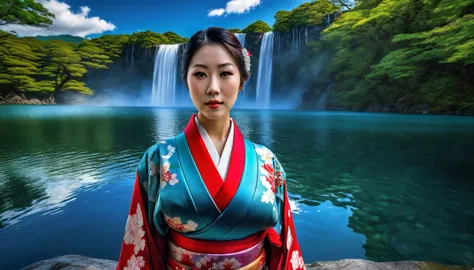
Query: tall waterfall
(264, 80)
(163, 92)
(241, 38)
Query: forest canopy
(412, 55)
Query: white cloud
(216, 12)
(66, 22)
(235, 6)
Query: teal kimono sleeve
(279, 178)
(144, 246)
(149, 171)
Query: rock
(374, 108)
(21, 99)
(369, 265)
(389, 108)
(73, 262)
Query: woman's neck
(215, 128)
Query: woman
(208, 198)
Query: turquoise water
(372, 186)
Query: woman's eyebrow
(221, 65)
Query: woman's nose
(213, 87)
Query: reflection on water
(167, 123)
(371, 186)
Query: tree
(281, 21)
(112, 45)
(257, 27)
(65, 66)
(25, 12)
(310, 13)
(20, 63)
(92, 56)
(401, 52)
(344, 4)
(235, 30)
(175, 38)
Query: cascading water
(264, 80)
(244, 97)
(163, 92)
(241, 38)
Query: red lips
(213, 102)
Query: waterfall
(163, 90)
(133, 49)
(241, 38)
(264, 80)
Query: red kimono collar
(221, 191)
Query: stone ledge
(350, 264)
(76, 262)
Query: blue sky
(92, 18)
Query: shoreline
(250, 109)
(82, 262)
(13, 99)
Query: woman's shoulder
(263, 151)
(164, 145)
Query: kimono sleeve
(290, 250)
(143, 247)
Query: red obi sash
(192, 254)
(217, 247)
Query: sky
(93, 18)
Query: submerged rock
(73, 262)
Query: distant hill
(67, 38)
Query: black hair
(215, 35)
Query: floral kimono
(192, 209)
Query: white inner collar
(222, 162)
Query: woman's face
(213, 76)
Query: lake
(382, 187)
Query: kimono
(192, 209)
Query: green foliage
(24, 12)
(404, 51)
(257, 27)
(235, 30)
(66, 38)
(311, 13)
(175, 38)
(52, 64)
(31, 65)
(111, 44)
(92, 55)
(19, 62)
(150, 39)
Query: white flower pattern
(178, 225)
(166, 176)
(265, 154)
(267, 172)
(135, 263)
(289, 239)
(134, 236)
(134, 231)
(171, 151)
(227, 264)
(268, 196)
(206, 262)
(297, 261)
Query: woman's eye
(226, 73)
(199, 74)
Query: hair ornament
(246, 55)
